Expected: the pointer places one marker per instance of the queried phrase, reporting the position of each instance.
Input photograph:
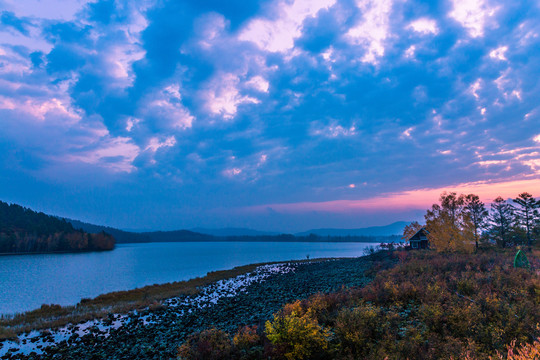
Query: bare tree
(410, 230)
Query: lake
(27, 281)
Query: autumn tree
(449, 225)
(410, 230)
(501, 220)
(526, 213)
(477, 213)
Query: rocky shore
(156, 333)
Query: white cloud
(373, 30)
(115, 153)
(407, 133)
(509, 85)
(499, 53)
(258, 83)
(167, 106)
(409, 53)
(232, 172)
(473, 15)
(131, 122)
(154, 144)
(333, 130)
(43, 110)
(277, 35)
(120, 59)
(424, 26)
(537, 138)
(223, 97)
(473, 89)
(210, 27)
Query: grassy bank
(53, 316)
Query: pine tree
(501, 220)
(526, 213)
(477, 213)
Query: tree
(410, 230)
(501, 220)
(526, 213)
(477, 213)
(448, 224)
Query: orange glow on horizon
(413, 199)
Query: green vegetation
(25, 231)
(429, 306)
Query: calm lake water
(27, 281)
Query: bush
(297, 334)
(525, 352)
(209, 344)
(248, 344)
(358, 329)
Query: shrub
(209, 344)
(248, 344)
(246, 337)
(297, 334)
(525, 352)
(357, 329)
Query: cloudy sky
(274, 114)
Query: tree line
(23, 230)
(462, 222)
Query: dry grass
(120, 302)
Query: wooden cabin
(420, 239)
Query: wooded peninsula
(26, 231)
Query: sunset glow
(278, 115)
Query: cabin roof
(423, 228)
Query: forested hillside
(23, 230)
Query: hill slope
(23, 230)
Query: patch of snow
(37, 341)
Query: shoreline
(57, 252)
(260, 286)
(36, 340)
(126, 300)
(195, 242)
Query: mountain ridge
(395, 228)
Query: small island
(23, 230)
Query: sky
(279, 115)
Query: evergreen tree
(477, 213)
(526, 213)
(501, 221)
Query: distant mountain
(371, 234)
(387, 230)
(233, 232)
(122, 236)
(23, 230)
(177, 236)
